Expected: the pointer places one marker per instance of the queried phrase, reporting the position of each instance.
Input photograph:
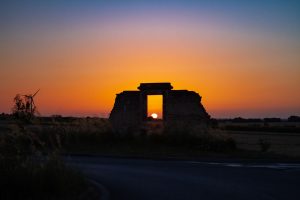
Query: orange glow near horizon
(155, 104)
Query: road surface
(144, 179)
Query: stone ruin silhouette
(184, 107)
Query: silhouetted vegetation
(243, 120)
(294, 119)
(274, 125)
(31, 169)
(264, 145)
(48, 180)
(265, 128)
(93, 133)
(76, 134)
(24, 107)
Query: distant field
(283, 137)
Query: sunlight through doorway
(155, 106)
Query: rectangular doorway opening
(155, 106)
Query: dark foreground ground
(126, 178)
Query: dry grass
(94, 135)
(280, 143)
(25, 173)
(281, 137)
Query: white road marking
(270, 166)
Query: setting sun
(154, 115)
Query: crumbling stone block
(129, 113)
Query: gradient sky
(242, 57)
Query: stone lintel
(155, 86)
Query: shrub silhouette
(26, 174)
(264, 145)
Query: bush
(180, 140)
(264, 145)
(32, 180)
(24, 172)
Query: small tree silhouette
(19, 107)
(24, 107)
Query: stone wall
(184, 107)
(126, 114)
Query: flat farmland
(281, 137)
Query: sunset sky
(242, 57)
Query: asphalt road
(170, 179)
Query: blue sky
(267, 14)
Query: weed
(24, 172)
(264, 145)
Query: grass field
(95, 135)
(281, 137)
